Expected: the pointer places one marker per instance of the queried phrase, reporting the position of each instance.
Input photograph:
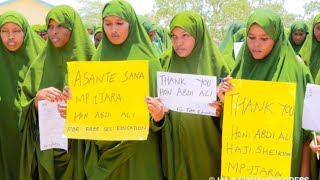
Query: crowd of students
(179, 145)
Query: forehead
(255, 29)
(317, 25)
(53, 22)
(178, 30)
(10, 25)
(112, 18)
(298, 31)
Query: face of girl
(97, 38)
(259, 43)
(116, 29)
(182, 42)
(58, 34)
(316, 31)
(298, 37)
(152, 34)
(12, 36)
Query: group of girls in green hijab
(179, 145)
(310, 53)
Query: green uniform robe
(281, 65)
(191, 143)
(164, 36)
(127, 160)
(149, 26)
(234, 27)
(50, 70)
(310, 53)
(228, 53)
(13, 67)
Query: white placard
(187, 93)
(51, 126)
(236, 48)
(311, 109)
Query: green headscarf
(201, 135)
(228, 53)
(137, 45)
(233, 28)
(50, 70)
(125, 159)
(280, 65)
(164, 36)
(205, 57)
(310, 52)
(13, 67)
(98, 29)
(39, 27)
(149, 26)
(301, 26)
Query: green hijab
(13, 67)
(310, 52)
(233, 28)
(50, 70)
(201, 135)
(98, 29)
(301, 26)
(113, 159)
(280, 65)
(39, 27)
(164, 36)
(228, 53)
(205, 57)
(136, 47)
(149, 26)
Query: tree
(91, 12)
(218, 14)
(311, 9)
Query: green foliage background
(218, 14)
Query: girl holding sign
(68, 41)
(191, 143)
(311, 56)
(19, 47)
(267, 55)
(124, 38)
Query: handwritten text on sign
(51, 126)
(108, 100)
(257, 129)
(187, 93)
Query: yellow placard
(108, 100)
(258, 129)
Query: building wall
(34, 10)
